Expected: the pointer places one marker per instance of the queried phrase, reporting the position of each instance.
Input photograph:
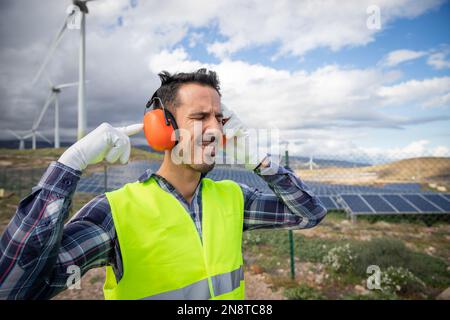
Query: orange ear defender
(159, 125)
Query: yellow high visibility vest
(162, 254)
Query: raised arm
(38, 252)
(292, 205)
(36, 248)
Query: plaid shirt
(37, 248)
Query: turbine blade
(44, 109)
(43, 137)
(67, 85)
(71, 84)
(53, 47)
(28, 135)
(14, 134)
(50, 83)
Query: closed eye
(199, 115)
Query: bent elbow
(314, 219)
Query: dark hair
(170, 83)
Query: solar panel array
(406, 203)
(356, 199)
(120, 175)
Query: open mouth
(209, 145)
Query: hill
(419, 170)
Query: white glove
(104, 142)
(240, 149)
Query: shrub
(303, 292)
(388, 252)
(403, 270)
(401, 280)
(252, 238)
(373, 295)
(383, 252)
(340, 259)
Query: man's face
(199, 118)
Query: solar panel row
(396, 203)
(389, 199)
(119, 175)
(336, 189)
(329, 202)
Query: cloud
(437, 60)
(433, 92)
(334, 102)
(397, 57)
(323, 112)
(330, 96)
(419, 148)
(302, 26)
(340, 146)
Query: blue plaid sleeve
(37, 249)
(292, 206)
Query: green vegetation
(373, 295)
(388, 252)
(406, 273)
(304, 292)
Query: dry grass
(26, 159)
(421, 170)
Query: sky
(336, 81)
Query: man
(174, 234)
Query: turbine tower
(311, 163)
(20, 137)
(82, 70)
(53, 97)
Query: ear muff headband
(159, 125)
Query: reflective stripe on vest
(222, 283)
(196, 291)
(227, 282)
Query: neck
(182, 177)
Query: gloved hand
(238, 139)
(104, 142)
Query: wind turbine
(75, 13)
(37, 122)
(311, 163)
(26, 135)
(53, 97)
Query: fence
(20, 181)
(398, 248)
